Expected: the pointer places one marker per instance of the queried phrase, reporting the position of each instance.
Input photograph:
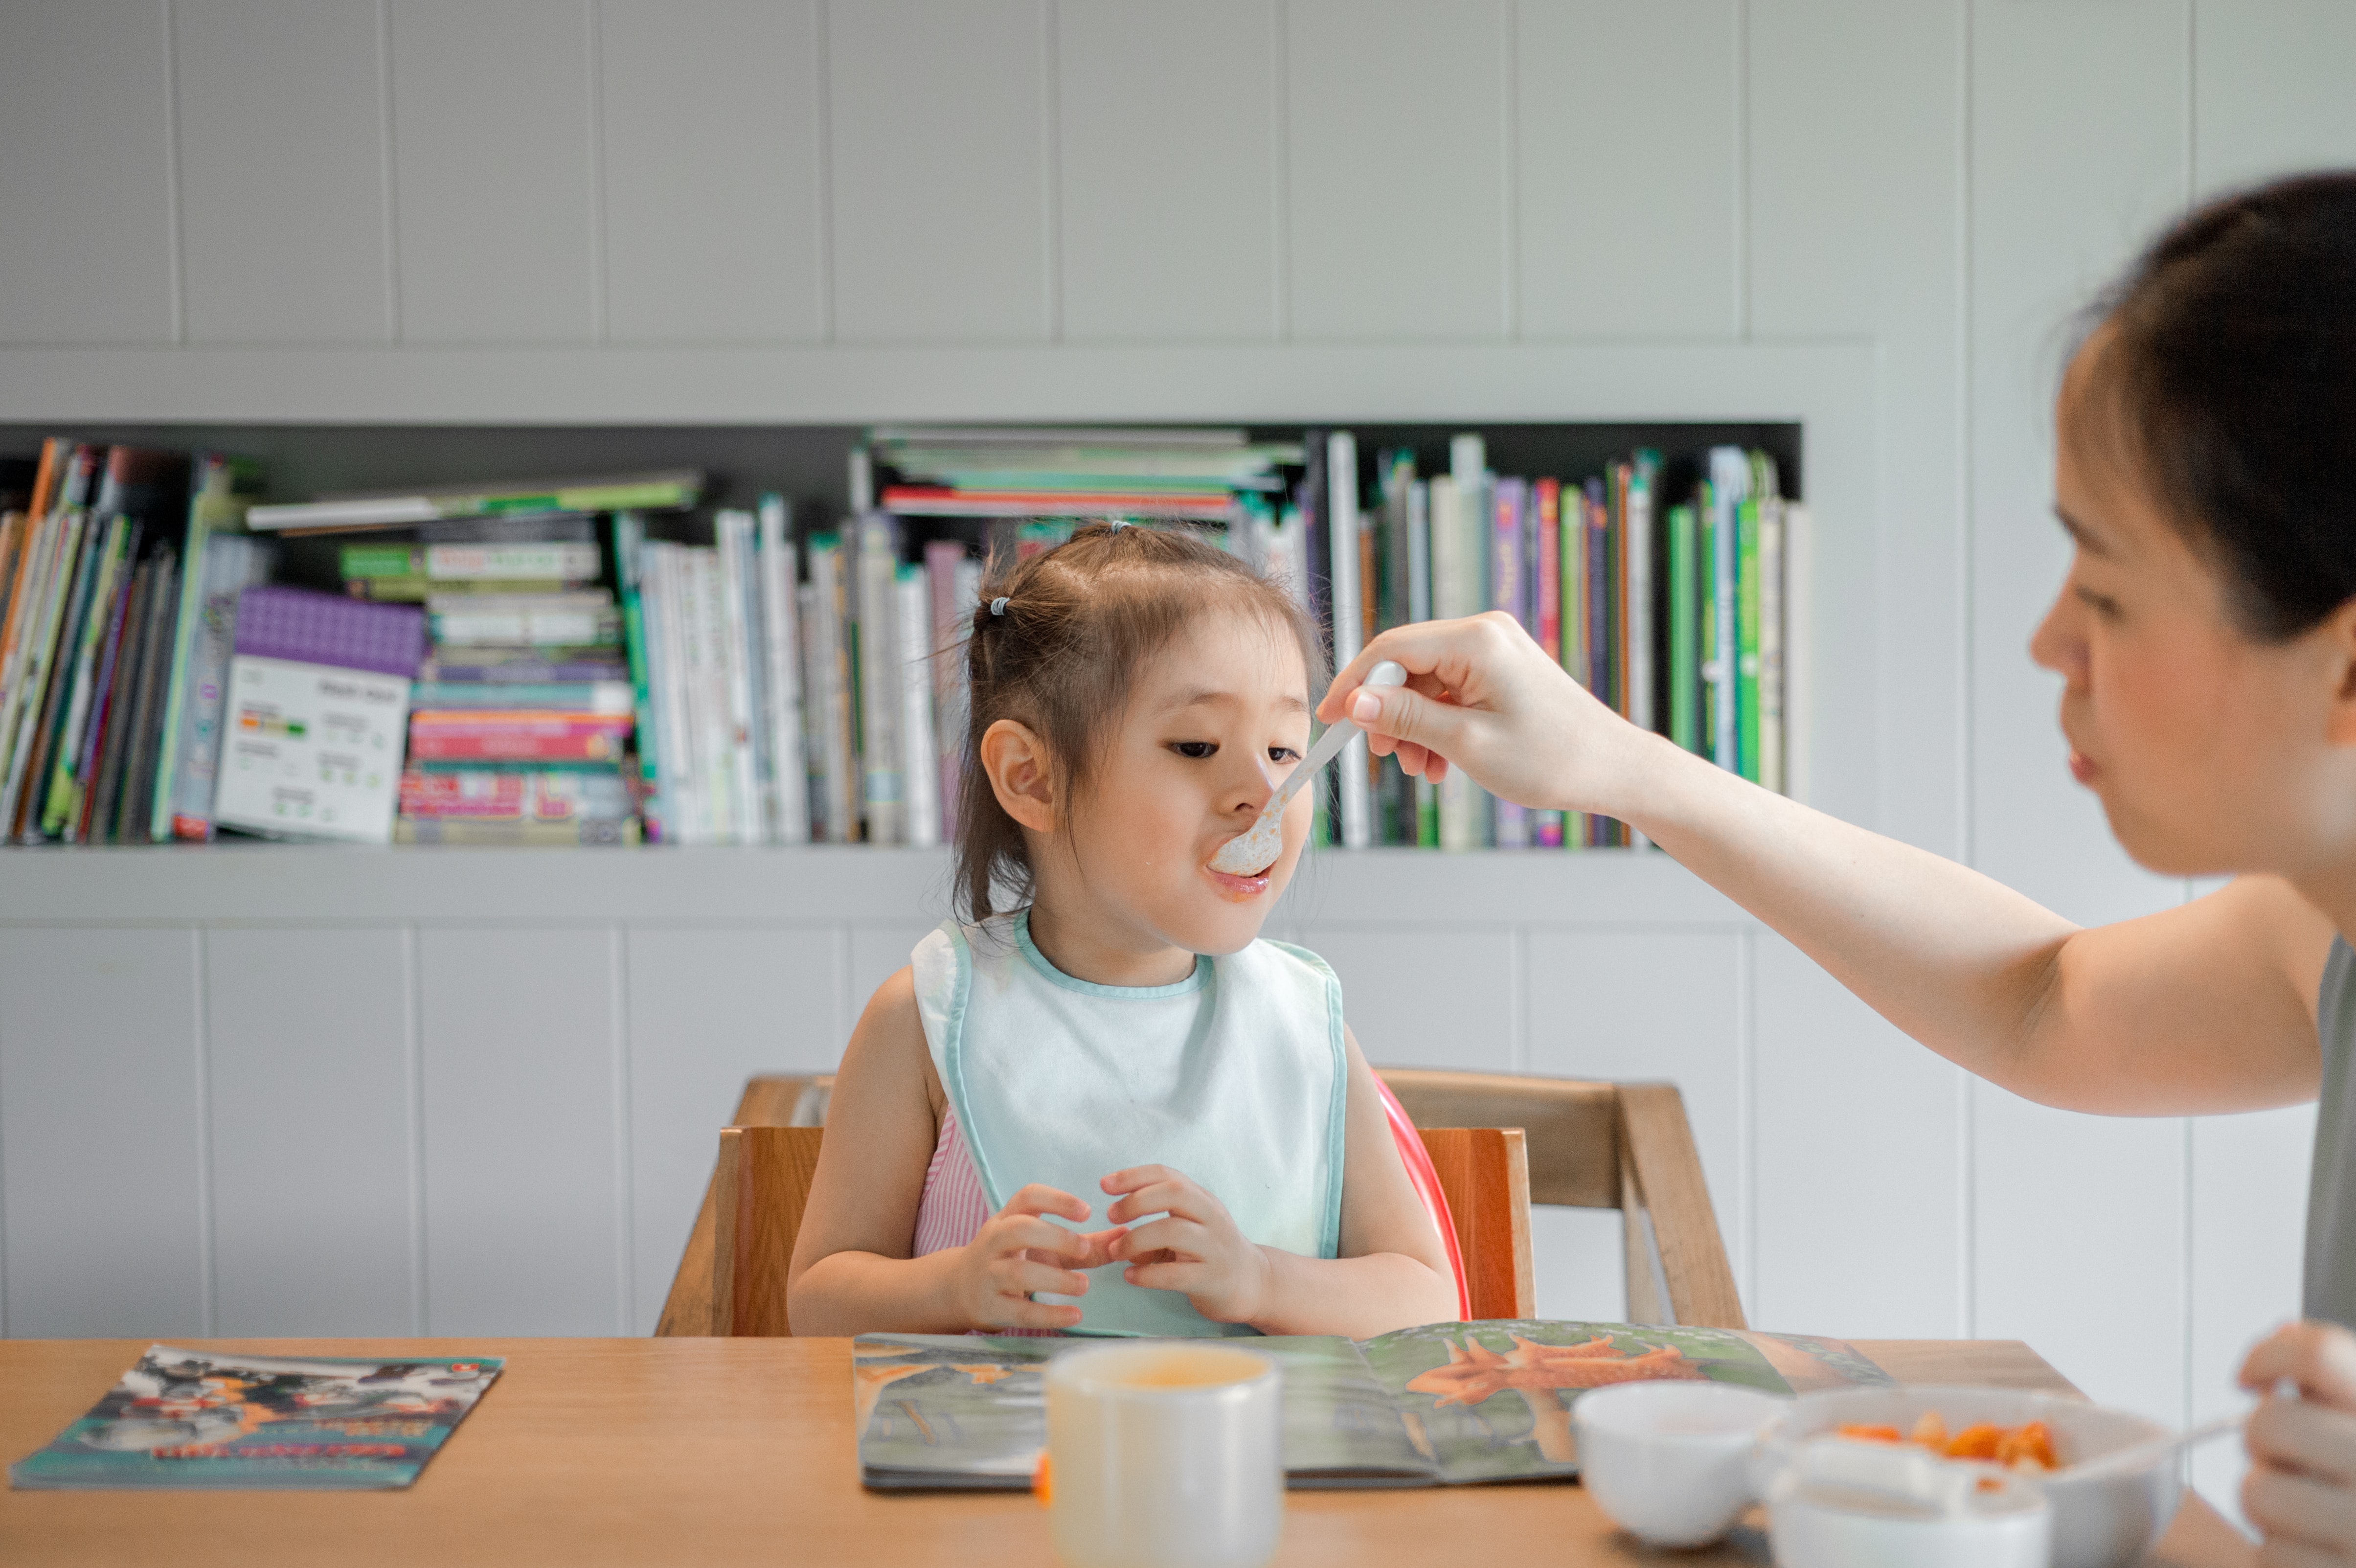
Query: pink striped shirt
(952, 1209)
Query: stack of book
(120, 573)
(1077, 472)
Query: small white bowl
(1870, 1505)
(1670, 1462)
(2104, 1521)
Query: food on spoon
(2029, 1446)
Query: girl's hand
(2301, 1488)
(1195, 1248)
(1481, 695)
(1018, 1251)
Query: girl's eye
(1282, 754)
(2101, 604)
(1196, 749)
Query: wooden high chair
(732, 1278)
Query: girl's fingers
(1021, 1276)
(1178, 1236)
(1016, 1313)
(1038, 1198)
(1136, 1176)
(1181, 1197)
(1023, 1234)
(2299, 1507)
(2306, 1436)
(2321, 1358)
(1184, 1277)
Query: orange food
(2029, 1446)
(1042, 1480)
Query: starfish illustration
(1474, 1372)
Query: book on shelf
(399, 508)
(781, 686)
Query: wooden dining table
(590, 1452)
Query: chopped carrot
(1042, 1480)
(1930, 1432)
(2032, 1442)
(1864, 1433)
(1977, 1441)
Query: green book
(62, 798)
(1746, 639)
(1685, 647)
(1706, 638)
(221, 488)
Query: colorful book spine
(219, 493)
(496, 737)
(62, 803)
(920, 770)
(553, 561)
(1508, 591)
(134, 812)
(49, 727)
(1684, 631)
(232, 562)
(883, 790)
(1546, 534)
(1746, 600)
(1347, 587)
(1772, 769)
(1729, 481)
(1570, 548)
(747, 713)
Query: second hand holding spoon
(1255, 849)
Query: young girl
(1108, 1043)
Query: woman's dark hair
(2226, 363)
(1062, 657)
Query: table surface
(724, 1451)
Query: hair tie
(1119, 523)
(998, 606)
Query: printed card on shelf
(312, 751)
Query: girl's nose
(1251, 795)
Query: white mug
(1165, 1454)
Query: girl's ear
(2338, 632)
(1020, 774)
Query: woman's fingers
(2319, 1357)
(2300, 1508)
(2312, 1437)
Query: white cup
(1670, 1462)
(1165, 1455)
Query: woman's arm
(1392, 1270)
(852, 1272)
(2206, 1008)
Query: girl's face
(2211, 752)
(1217, 721)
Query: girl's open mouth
(1239, 888)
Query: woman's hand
(1481, 697)
(2301, 1488)
(1195, 1248)
(1018, 1251)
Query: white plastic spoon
(2137, 1456)
(1255, 849)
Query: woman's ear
(1021, 773)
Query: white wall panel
(2271, 93)
(314, 1139)
(1425, 997)
(283, 200)
(2078, 1240)
(523, 1199)
(939, 180)
(1577, 1266)
(1397, 116)
(101, 1130)
(2047, 231)
(1860, 1163)
(1167, 148)
(86, 253)
(494, 175)
(1855, 212)
(1629, 215)
(2249, 1236)
(708, 1007)
(1650, 1006)
(710, 118)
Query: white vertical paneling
(939, 180)
(1628, 215)
(1422, 997)
(2270, 95)
(2249, 1200)
(2066, 184)
(518, 1034)
(1577, 1263)
(1854, 206)
(1166, 153)
(101, 1117)
(311, 1135)
(86, 252)
(876, 953)
(1396, 130)
(2078, 1232)
(710, 116)
(493, 171)
(708, 1007)
(1652, 1007)
(282, 170)
(1842, 1096)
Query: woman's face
(2211, 752)
(1222, 711)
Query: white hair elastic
(998, 606)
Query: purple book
(309, 628)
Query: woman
(2206, 637)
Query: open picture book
(1443, 1405)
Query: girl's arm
(2206, 1008)
(1392, 1271)
(852, 1272)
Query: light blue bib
(1234, 1075)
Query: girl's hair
(1061, 655)
(2229, 376)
